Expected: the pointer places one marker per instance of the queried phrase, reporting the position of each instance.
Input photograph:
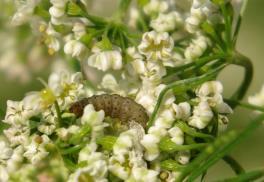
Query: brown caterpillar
(114, 106)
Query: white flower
(142, 174)
(202, 115)
(177, 135)
(51, 40)
(165, 119)
(95, 120)
(182, 110)
(25, 10)
(96, 168)
(16, 159)
(65, 133)
(17, 135)
(6, 152)
(79, 29)
(74, 48)
(68, 87)
(36, 151)
(156, 46)
(167, 22)
(196, 48)
(201, 10)
(133, 17)
(211, 92)
(150, 143)
(16, 113)
(257, 99)
(48, 123)
(210, 88)
(57, 11)
(156, 6)
(3, 174)
(184, 157)
(105, 60)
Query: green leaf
(107, 142)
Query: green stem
(122, 9)
(245, 62)
(237, 168)
(245, 105)
(199, 62)
(166, 145)
(229, 143)
(181, 86)
(249, 176)
(58, 112)
(190, 131)
(71, 150)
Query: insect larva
(115, 106)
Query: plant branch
(237, 168)
(245, 62)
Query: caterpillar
(114, 106)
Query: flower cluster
(160, 66)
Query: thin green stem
(182, 85)
(190, 131)
(166, 145)
(237, 168)
(249, 176)
(229, 143)
(199, 62)
(58, 112)
(245, 105)
(71, 150)
(245, 62)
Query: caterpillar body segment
(114, 106)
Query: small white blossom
(25, 10)
(105, 60)
(182, 110)
(3, 174)
(36, 151)
(16, 113)
(257, 99)
(167, 22)
(65, 133)
(74, 48)
(184, 157)
(6, 152)
(150, 143)
(15, 160)
(142, 174)
(196, 48)
(57, 11)
(95, 120)
(202, 115)
(96, 167)
(177, 135)
(156, 6)
(17, 135)
(211, 92)
(156, 46)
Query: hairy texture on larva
(114, 106)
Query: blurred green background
(251, 43)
